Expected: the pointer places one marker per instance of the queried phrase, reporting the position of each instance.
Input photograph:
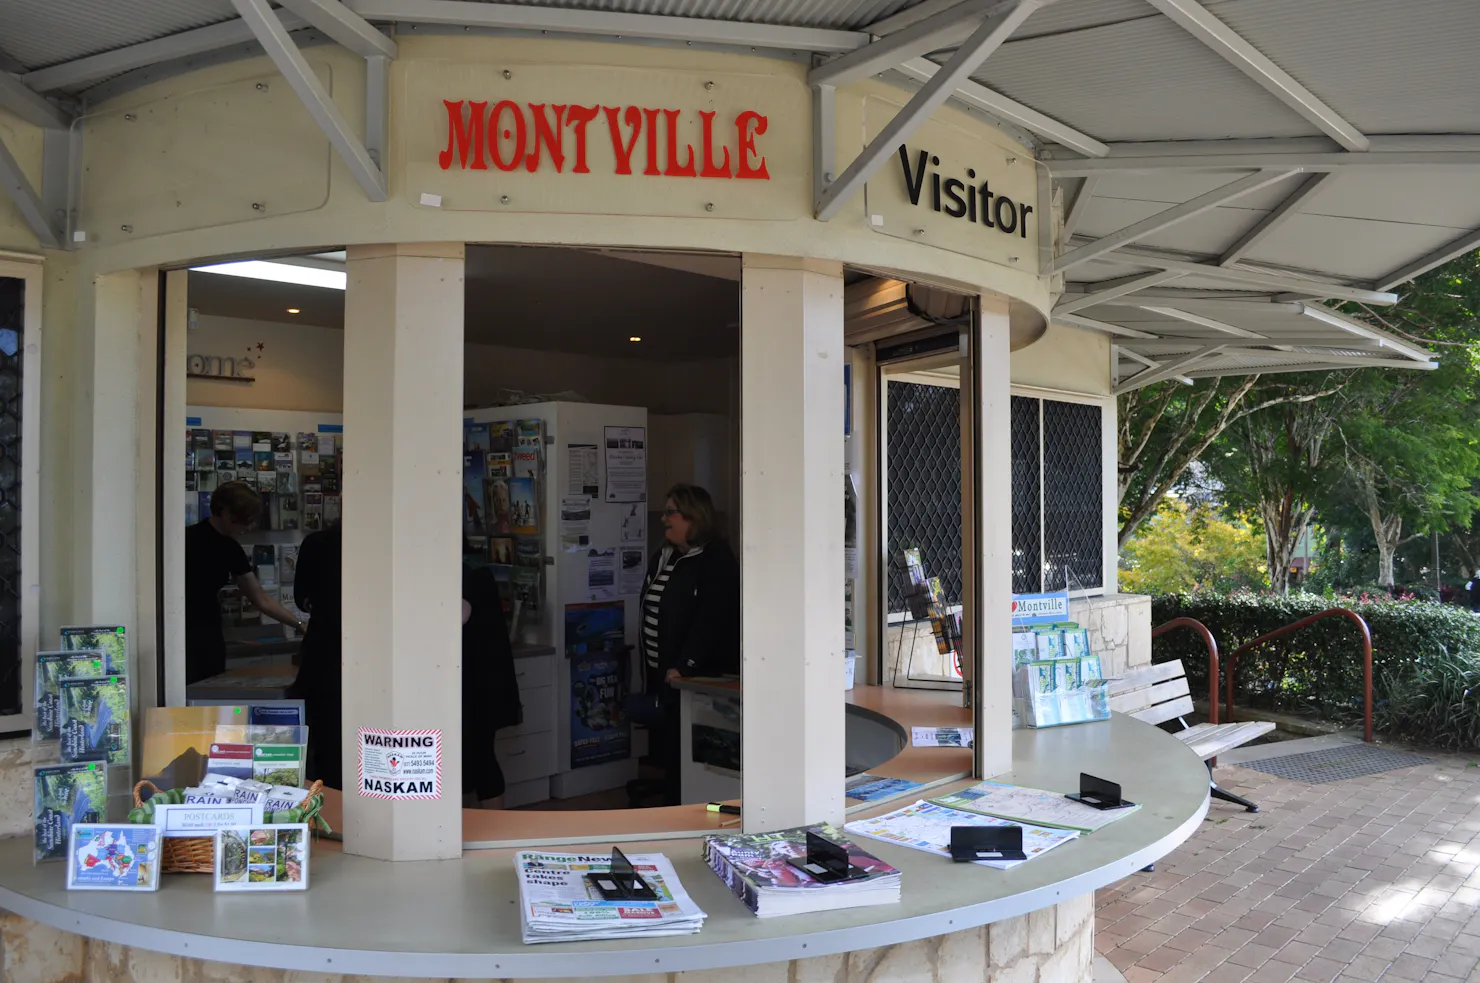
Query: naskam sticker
(400, 764)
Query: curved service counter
(458, 919)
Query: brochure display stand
(556, 500)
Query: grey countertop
(460, 918)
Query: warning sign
(400, 764)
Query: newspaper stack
(557, 903)
(755, 868)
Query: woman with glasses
(690, 615)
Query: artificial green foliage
(1317, 671)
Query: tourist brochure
(942, 736)
(108, 639)
(105, 857)
(51, 669)
(873, 789)
(558, 904)
(95, 724)
(231, 760)
(278, 764)
(271, 857)
(1031, 805)
(927, 826)
(757, 870)
(64, 796)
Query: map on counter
(879, 788)
(114, 858)
(943, 736)
(1031, 805)
(927, 826)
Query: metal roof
(1227, 166)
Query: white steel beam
(1169, 217)
(1069, 303)
(1384, 340)
(344, 26)
(1205, 322)
(930, 34)
(26, 201)
(978, 96)
(94, 68)
(1081, 205)
(1172, 344)
(1277, 217)
(1166, 370)
(563, 20)
(301, 78)
(932, 95)
(1132, 256)
(21, 100)
(1138, 357)
(1195, 19)
(1104, 327)
(824, 138)
(1311, 161)
(377, 108)
(1318, 363)
(1464, 244)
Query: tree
(1185, 547)
(1166, 426)
(1274, 462)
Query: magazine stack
(572, 897)
(769, 872)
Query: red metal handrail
(1212, 645)
(1302, 623)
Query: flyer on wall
(595, 642)
(630, 576)
(634, 524)
(601, 574)
(584, 467)
(575, 522)
(626, 464)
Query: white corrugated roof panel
(38, 33)
(836, 14)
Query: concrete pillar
(403, 366)
(993, 380)
(791, 508)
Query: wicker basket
(197, 854)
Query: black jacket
(699, 614)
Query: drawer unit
(539, 712)
(526, 756)
(536, 670)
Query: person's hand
(672, 676)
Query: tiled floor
(1374, 878)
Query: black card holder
(826, 862)
(622, 882)
(970, 843)
(1098, 793)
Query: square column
(992, 382)
(403, 370)
(791, 572)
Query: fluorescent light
(255, 269)
(292, 310)
(635, 338)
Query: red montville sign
(511, 136)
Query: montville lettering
(960, 199)
(510, 136)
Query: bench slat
(1180, 707)
(1146, 676)
(1211, 740)
(1142, 699)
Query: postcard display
(561, 516)
(294, 460)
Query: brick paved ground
(1370, 879)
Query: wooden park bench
(1159, 693)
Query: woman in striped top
(690, 614)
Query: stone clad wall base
(1053, 945)
(1119, 628)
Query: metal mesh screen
(924, 435)
(1027, 542)
(12, 320)
(1073, 496)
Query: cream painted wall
(1067, 359)
(300, 366)
(24, 143)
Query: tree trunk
(1386, 529)
(1385, 554)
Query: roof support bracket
(1166, 370)
(1277, 217)
(1069, 303)
(274, 38)
(27, 201)
(932, 95)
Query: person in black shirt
(213, 558)
(317, 590)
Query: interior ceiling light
(256, 269)
(292, 310)
(635, 338)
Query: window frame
(29, 271)
(1108, 492)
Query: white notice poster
(400, 764)
(634, 525)
(626, 464)
(585, 476)
(629, 580)
(575, 522)
(601, 575)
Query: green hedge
(1417, 647)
